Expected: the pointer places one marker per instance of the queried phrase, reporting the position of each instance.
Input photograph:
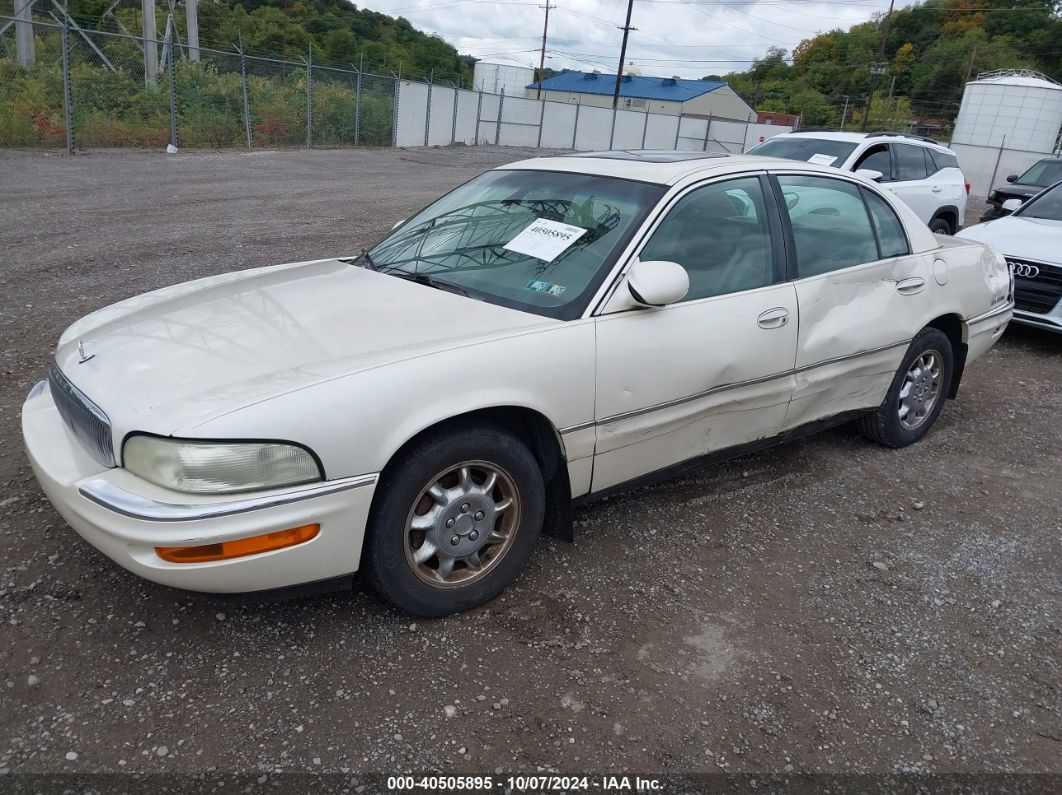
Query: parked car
(920, 171)
(554, 329)
(1030, 238)
(1033, 180)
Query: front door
(714, 370)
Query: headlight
(218, 467)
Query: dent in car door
(712, 371)
(862, 298)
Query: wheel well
(952, 327)
(542, 439)
(951, 215)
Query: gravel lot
(824, 607)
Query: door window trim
(885, 177)
(775, 228)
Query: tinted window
(720, 235)
(910, 162)
(877, 159)
(892, 242)
(830, 224)
(943, 159)
(1044, 173)
(1047, 204)
(805, 147)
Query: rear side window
(910, 162)
(891, 239)
(942, 159)
(831, 227)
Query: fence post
(708, 132)
(612, 131)
(497, 127)
(173, 90)
(479, 114)
(357, 108)
(645, 124)
(394, 117)
(457, 99)
(246, 98)
(575, 127)
(678, 131)
(427, 108)
(309, 99)
(67, 100)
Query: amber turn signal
(241, 547)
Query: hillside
(931, 50)
(339, 32)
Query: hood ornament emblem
(81, 353)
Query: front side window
(831, 228)
(910, 163)
(539, 241)
(720, 235)
(877, 158)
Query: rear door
(861, 294)
(911, 181)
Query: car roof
(862, 137)
(661, 167)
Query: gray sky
(688, 38)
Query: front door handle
(774, 318)
(912, 286)
(936, 189)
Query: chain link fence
(62, 85)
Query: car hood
(175, 357)
(1015, 190)
(1017, 236)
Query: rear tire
(917, 393)
(455, 520)
(941, 226)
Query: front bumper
(125, 517)
(1051, 321)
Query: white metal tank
(1024, 106)
(493, 75)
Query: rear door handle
(773, 318)
(912, 286)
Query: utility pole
(191, 19)
(542, 57)
(844, 113)
(151, 34)
(884, 36)
(623, 53)
(969, 69)
(24, 43)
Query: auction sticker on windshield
(545, 239)
(822, 160)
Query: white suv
(920, 171)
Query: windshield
(1046, 204)
(807, 148)
(540, 241)
(1044, 173)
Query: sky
(685, 38)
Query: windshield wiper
(430, 281)
(366, 257)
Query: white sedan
(551, 330)
(1030, 239)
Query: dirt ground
(827, 606)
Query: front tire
(455, 520)
(916, 395)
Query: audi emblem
(1025, 270)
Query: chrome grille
(84, 418)
(1037, 285)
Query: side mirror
(656, 283)
(869, 173)
(1012, 178)
(1010, 205)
